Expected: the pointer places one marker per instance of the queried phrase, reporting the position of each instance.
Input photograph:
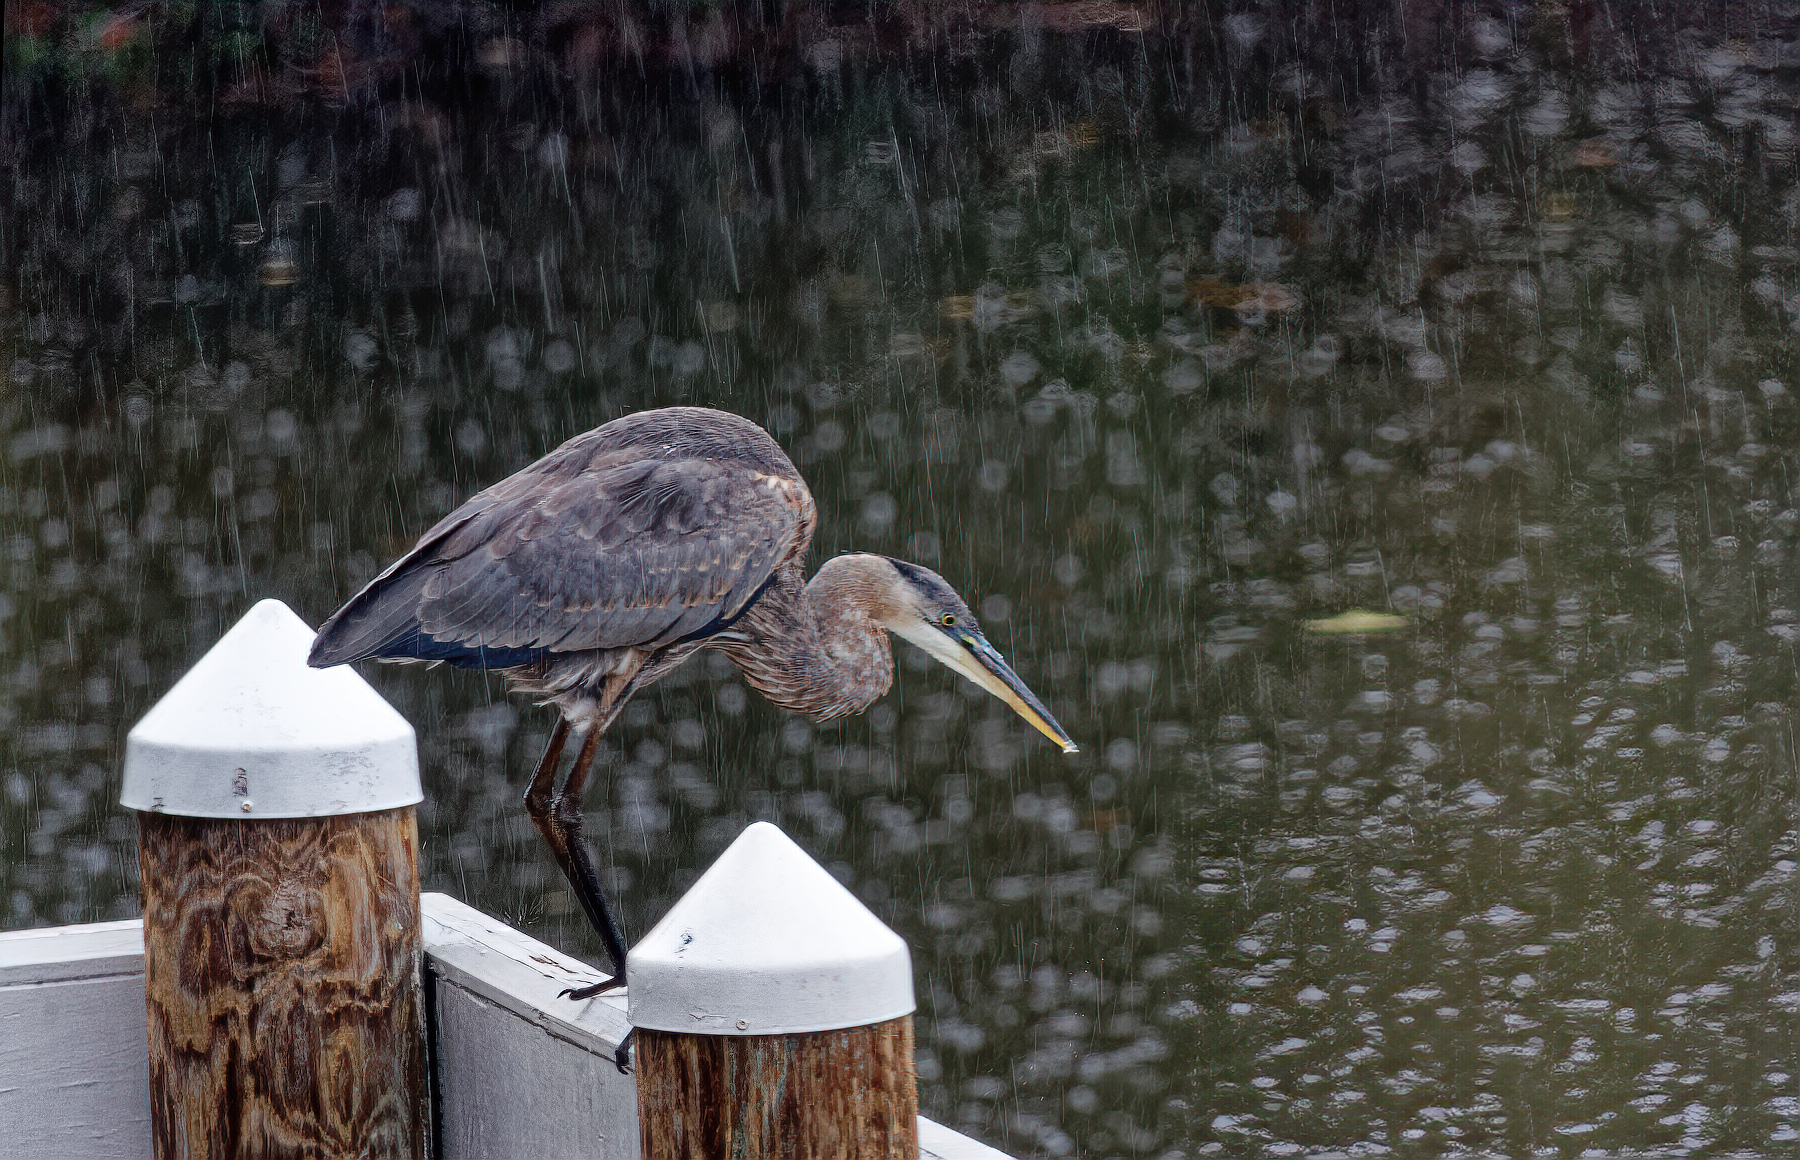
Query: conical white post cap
(767, 943)
(252, 732)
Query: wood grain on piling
(281, 971)
(825, 1095)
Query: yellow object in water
(1357, 620)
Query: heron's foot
(622, 1053)
(592, 989)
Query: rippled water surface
(1171, 335)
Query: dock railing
(289, 990)
(516, 1070)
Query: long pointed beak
(971, 655)
(997, 677)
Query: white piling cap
(252, 732)
(767, 943)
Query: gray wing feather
(584, 551)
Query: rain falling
(1369, 428)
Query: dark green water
(1160, 332)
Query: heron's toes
(592, 989)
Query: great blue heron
(596, 570)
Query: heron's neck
(817, 648)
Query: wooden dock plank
(516, 972)
(74, 1065)
(937, 1142)
(54, 954)
(537, 1076)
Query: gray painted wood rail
(517, 1071)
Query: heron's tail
(381, 621)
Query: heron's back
(653, 530)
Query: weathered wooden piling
(773, 1016)
(278, 852)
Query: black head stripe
(915, 575)
(926, 581)
(936, 590)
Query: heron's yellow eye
(949, 619)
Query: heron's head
(922, 608)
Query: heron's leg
(543, 781)
(578, 865)
(558, 819)
(540, 795)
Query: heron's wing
(617, 550)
